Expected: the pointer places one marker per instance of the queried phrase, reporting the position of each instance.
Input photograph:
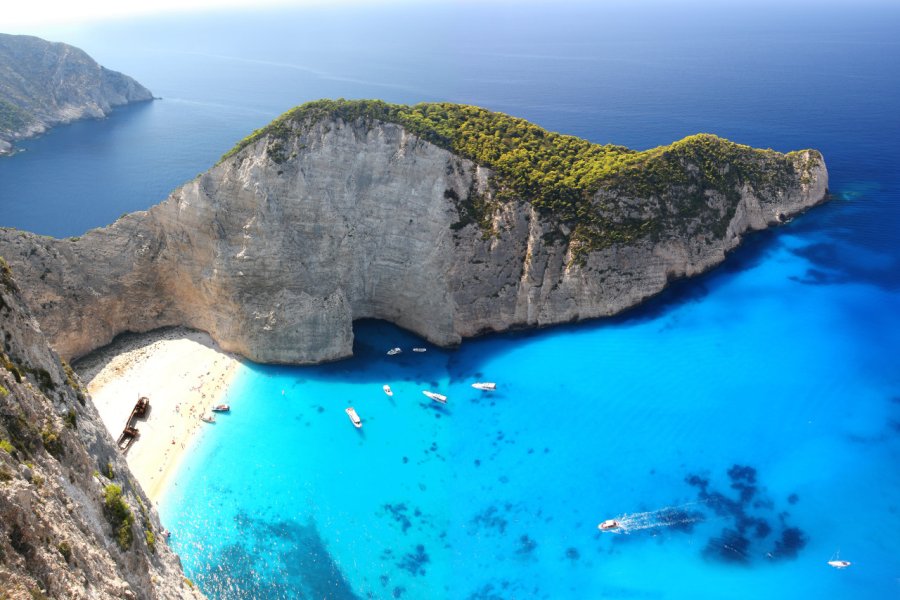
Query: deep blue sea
(744, 425)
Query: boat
(394, 351)
(207, 418)
(435, 396)
(387, 390)
(127, 438)
(354, 418)
(221, 408)
(836, 561)
(486, 386)
(419, 349)
(609, 525)
(140, 409)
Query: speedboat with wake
(610, 525)
(435, 396)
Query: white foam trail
(662, 517)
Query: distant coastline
(44, 84)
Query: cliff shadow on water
(838, 254)
(370, 363)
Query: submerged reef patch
(414, 562)
(748, 530)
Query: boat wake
(677, 517)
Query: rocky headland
(447, 220)
(73, 523)
(43, 84)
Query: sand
(181, 371)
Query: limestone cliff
(43, 84)
(65, 532)
(336, 214)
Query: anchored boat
(354, 418)
(435, 396)
(221, 408)
(387, 390)
(394, 351)
(486, 386)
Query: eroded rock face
(56, 459)
(276, 250)
(43, 84)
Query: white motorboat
(486, 386)
(354, 418)
(207, 418)
(394, 351)
(419, 349)
(435, 396)
(387, 390)
(609, 525)
(839, 564)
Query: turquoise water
(499, 494)
(748, 420)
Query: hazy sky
(23, 16)
(17, 16)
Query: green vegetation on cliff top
(583, 185)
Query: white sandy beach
(182, 372)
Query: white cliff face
(56, 458)
(278, 249)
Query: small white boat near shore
(207, 418)
(435, 396)
(387, 390)
(354, 418)
(394, 351)
(487, 386)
